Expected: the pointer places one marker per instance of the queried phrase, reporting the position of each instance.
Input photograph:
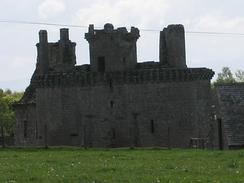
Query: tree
(239, 75)
(8, 92)
(225, 76)
(7, 116)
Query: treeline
(226, 76)
(7, 116)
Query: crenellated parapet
(95, 34)
(138, 76)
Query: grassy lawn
(120, 165)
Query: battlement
(112, 33)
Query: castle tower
(112, 49)
(59, 56)
(172, 46)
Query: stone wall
(26, 129)
(125, 114)
(231, 111)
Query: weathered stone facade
(114, 101)
(230, 110)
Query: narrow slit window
(124, 60)
(25, 129)
(113, 133)
(152, 126)
(36, 130)
(111, 103)
(111, 84)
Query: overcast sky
(18, 51)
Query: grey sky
(18, 52)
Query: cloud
(17, 68)
(218, 22)
(124, 12)
(50, 8)
(215, 51)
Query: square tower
(112, 49)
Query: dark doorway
(101, 64)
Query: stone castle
(115, 101)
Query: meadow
(74, 165)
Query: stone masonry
(230, 109)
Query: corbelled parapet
(138, 76)
(59, 56)
(172, 47)
(112, 49)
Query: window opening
(101, 64)
(124, 60)
(111, 84)
(152, 126)
(111, 104)
(25, 129)
(113, 133)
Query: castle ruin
(114, 101)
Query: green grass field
(120, 165)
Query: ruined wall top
(59, 56)
(64, 34)
(43, 36)
(172, 46)
(111, 50)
